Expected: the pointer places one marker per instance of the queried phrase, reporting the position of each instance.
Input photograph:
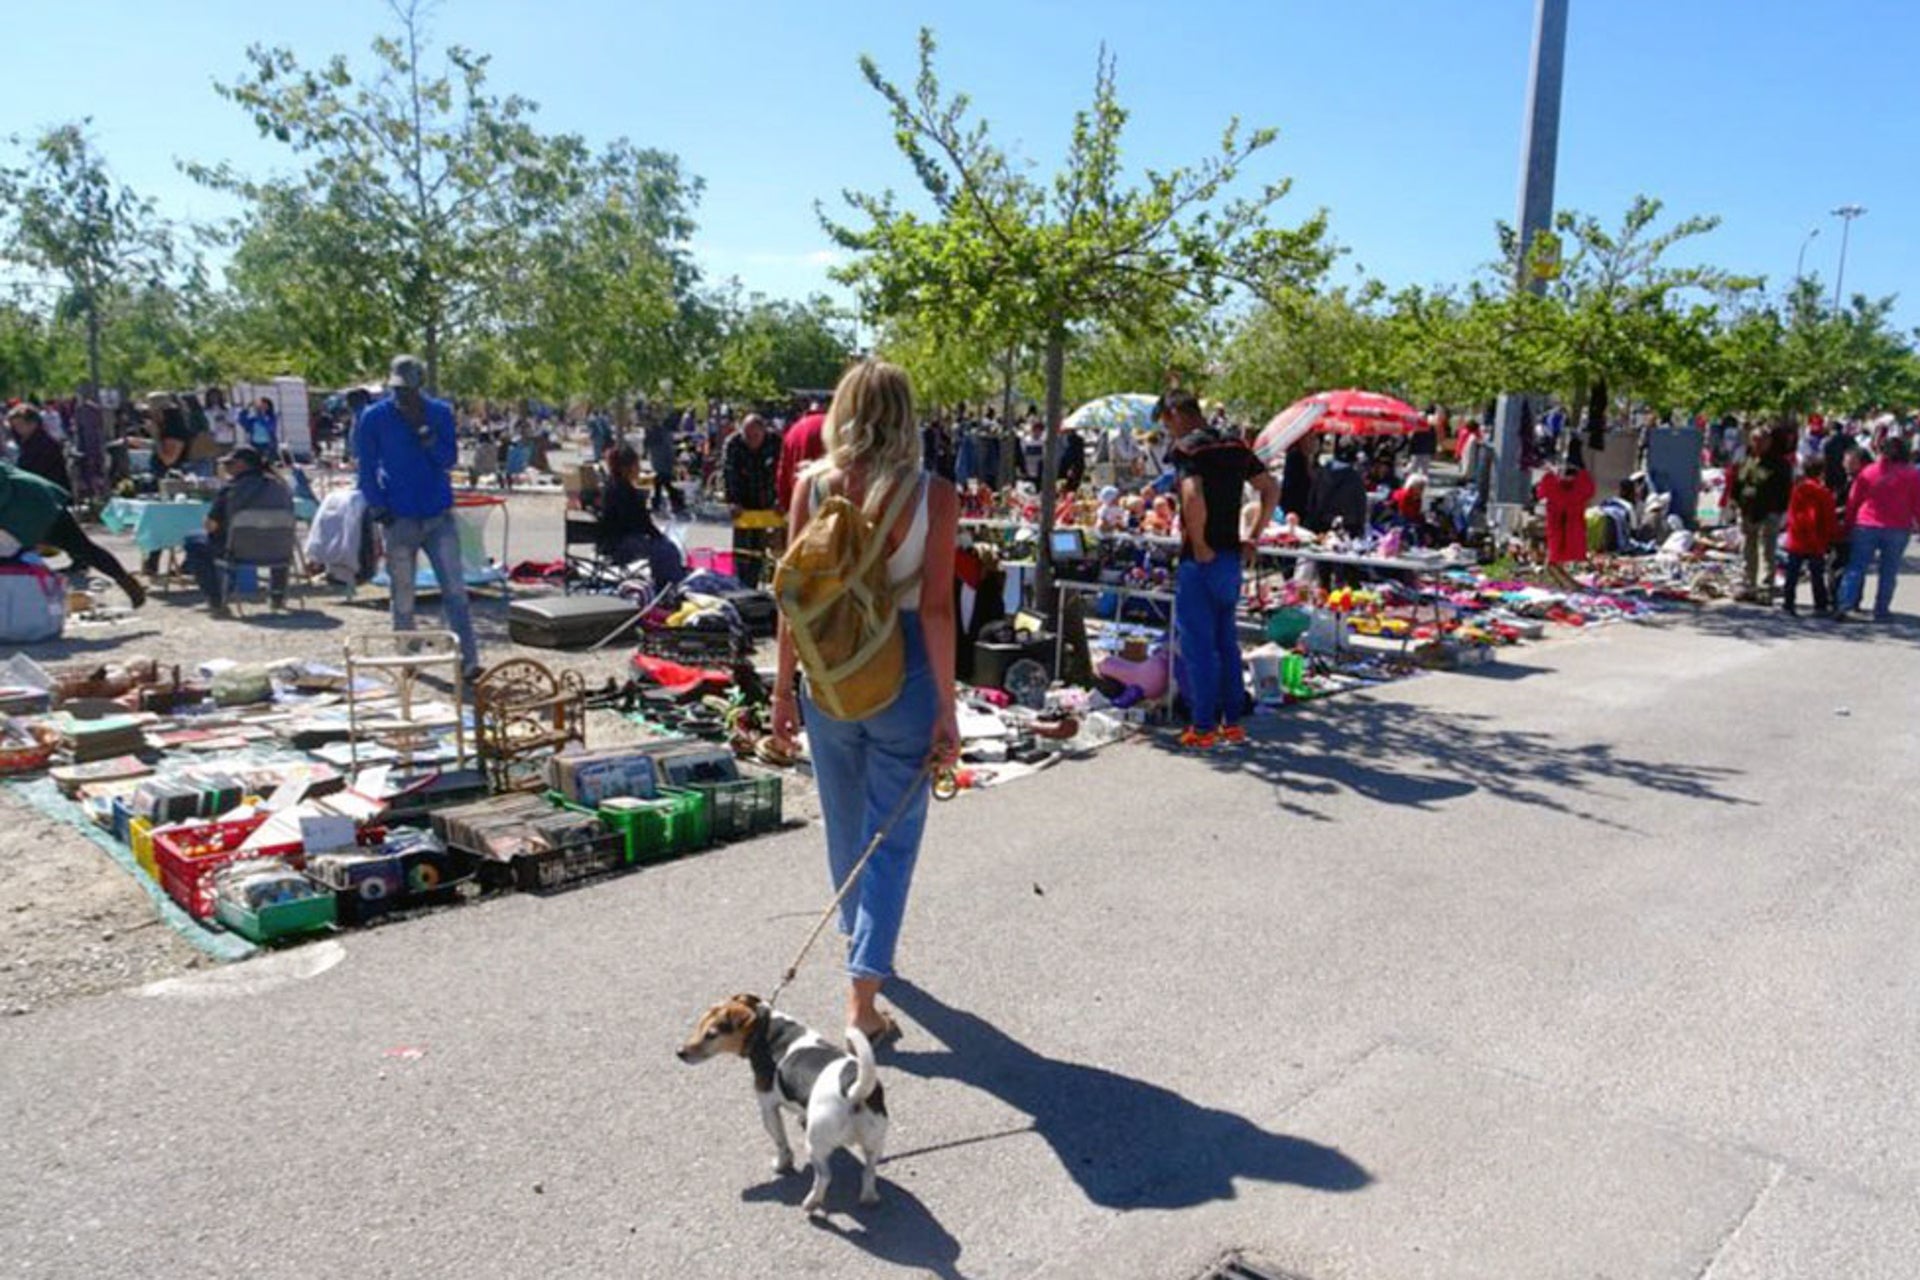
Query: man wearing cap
(406, 445)
(251, 485)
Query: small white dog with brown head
(836, 1092)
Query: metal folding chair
(590, 563)
(263, 540)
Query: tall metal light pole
(1800, 263)
(1540, 150)
(1846, 213)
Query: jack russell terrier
(836, 1092)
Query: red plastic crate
(187, 857)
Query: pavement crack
(1774, 1176)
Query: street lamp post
(1800, 263)
(1846, 213)
(1538, 157)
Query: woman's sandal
(769, 751)
(889, 1031)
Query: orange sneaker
(1233, 735)
(1198, 740)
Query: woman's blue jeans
(1864, 544)
(863, 768)
(1205, 617)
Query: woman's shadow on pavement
(900, 1229)
(1127, 1143)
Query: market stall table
(163, 526)
(1380, 564)
(1123, 592)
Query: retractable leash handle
(846, 886)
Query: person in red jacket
(1566, 493)
(804, 441)
(1813, 522)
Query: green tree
(1108, 359)
(1615, 312)
(948, 370)
(33, 351)
(1028, 261)
(1794, 355)
(70, 220)
(1302, 340)
(429, 208)
(594, 297)
(766, 348)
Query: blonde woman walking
(866, 768)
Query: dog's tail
(865, 1077)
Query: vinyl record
(423, 876)
(374, 888)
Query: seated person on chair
(38, 451)
(627, 530)
(250, 486)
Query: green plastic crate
(737, 810)
(278, 920)
(674, 823)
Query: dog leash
(885, 829)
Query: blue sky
(1402, 117)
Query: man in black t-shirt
(1214, 468)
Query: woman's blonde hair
(870, 429)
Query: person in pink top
(1883, 510)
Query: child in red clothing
(1812, 525)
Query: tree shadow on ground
(69, 647)
(1126, 1143)
(1420, 757)
(295, 619)
(1758, 625)
(900, 1229)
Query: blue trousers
(439, 537)
(1205, 608)
(1865, 543)
(863, 768)
(201, 560)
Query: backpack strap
(878, 545)
(911, 583)
(801, 615)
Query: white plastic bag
(33, 602)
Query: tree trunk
(432, 355)
(1050, 465)
(93, 347)
(1006, 386)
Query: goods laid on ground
(275, 802)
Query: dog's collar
(759, 1049)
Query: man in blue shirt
(406, 449)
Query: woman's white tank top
(910, 557)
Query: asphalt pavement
(1600, 963)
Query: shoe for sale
(1199, 740)
(1233, 736)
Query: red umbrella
(1340, 413)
